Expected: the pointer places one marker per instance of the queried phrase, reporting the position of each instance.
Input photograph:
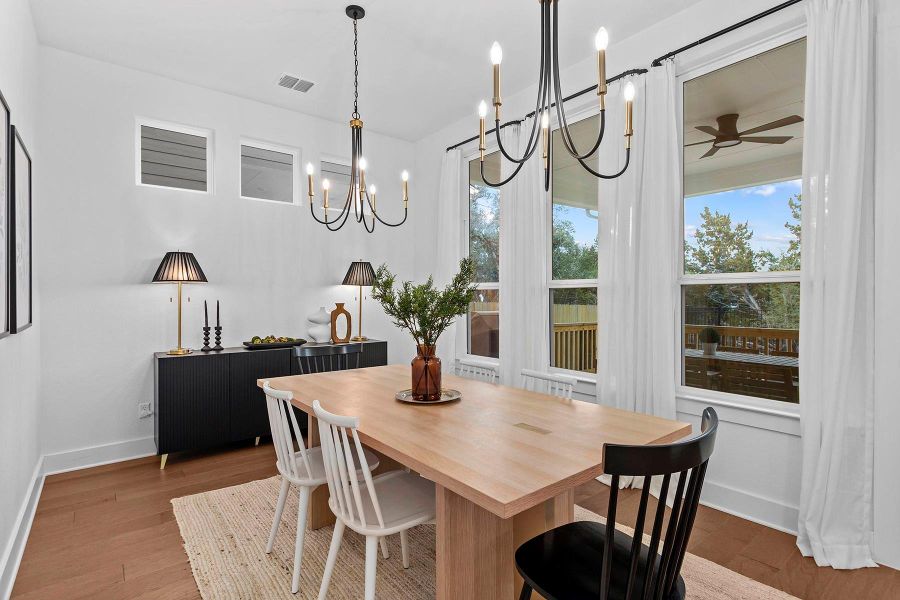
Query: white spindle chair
(477, 369)
(389, 503)
(549, 383)
(303, 468)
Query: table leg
(475, 548)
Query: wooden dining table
(505, 462)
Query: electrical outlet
(144, 410)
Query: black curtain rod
(721, 32)
(566, 99)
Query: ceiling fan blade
(707, 129)
(699, 143)
(775, 139)
(711, 151)
(774, 125)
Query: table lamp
(360, 274)
(179, 267)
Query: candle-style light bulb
(601, 41)
(482, 109)
(363, 164)
(496, 53)
(372, 190)
(326, 185)
(629, 112)
(496, 59)
(309, 169)
(545, 120)
(372, 196)
(309, 182)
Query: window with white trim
(269, 172)
(740, 282)
(173, 156)
(483, 319)
(573, 276)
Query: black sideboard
(208, 399)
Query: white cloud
(775, 239)
(690, 231)
(763, 190)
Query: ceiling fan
(727, 135)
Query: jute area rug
(225, 533)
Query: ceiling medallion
(549, 83)
(360, 199)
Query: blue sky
(585, 227)
(764, 207)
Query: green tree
(721, 246)
(484, 232)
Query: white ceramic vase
(320, 328)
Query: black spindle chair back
(687, 460)
(589, 560)
(322, 359)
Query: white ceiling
(423, 64)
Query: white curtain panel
(524, 256)
(450, 248)
(836, 312)
(637, 284)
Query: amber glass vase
(426, 375)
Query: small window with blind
(173, 156)
(269, 172)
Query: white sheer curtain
(524, 243)
(450, 247)
(637, 284)
(836, 310)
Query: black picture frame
(17, 226)
(5, 202)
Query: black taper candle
(205, 315)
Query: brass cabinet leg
(257, 441)
(162, 461)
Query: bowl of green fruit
(273, 341)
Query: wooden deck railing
(755, 340)
(575, 346)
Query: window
(573, 286)
(740, 286)
(269, 172)
(173, 156)
(484, 248)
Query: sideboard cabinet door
(191, 403)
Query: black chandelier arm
(505, 181)
(380, 220)
(565, 134)
(601, 175)
(540, 101)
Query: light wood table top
(502, 448)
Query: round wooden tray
(446, 396)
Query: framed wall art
(5, 125)
(20, 248)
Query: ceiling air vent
(292, 82)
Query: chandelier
(549, 84)
(360, 199)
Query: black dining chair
(328, 357)
(592, 560)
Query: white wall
(103, 237)
(756, 471)
(19, 354)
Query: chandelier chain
(355, 71)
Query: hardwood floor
(109, 532)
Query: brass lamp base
(359, 338)
(179, 351)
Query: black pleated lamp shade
(179, 266)
(360, 273)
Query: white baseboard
(751, 507)
(72, 460)
(15, 546)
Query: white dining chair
(303, 468)
(389, 503)
(478, 369)
(553, 384)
